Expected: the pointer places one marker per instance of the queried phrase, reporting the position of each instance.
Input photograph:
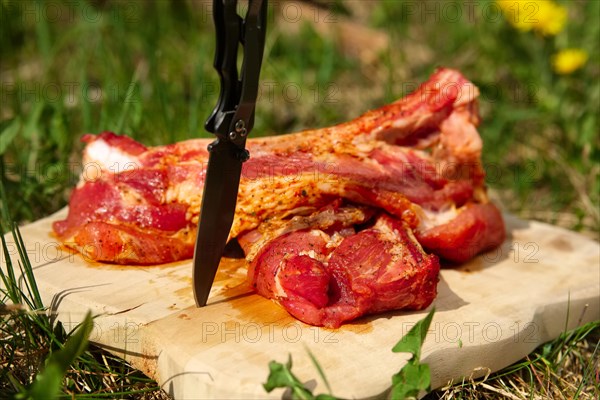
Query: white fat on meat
(99, 156)
(431, 219)
(279, 292)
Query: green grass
(39, 358)
(145, 69)
(565, 368)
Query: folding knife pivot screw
(239, 125)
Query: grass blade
(29, 277)
(319, 370)
(129, 95)
(42, 30)
(9, 279)
(9, 133)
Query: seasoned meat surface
(336, 222)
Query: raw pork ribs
(336, 222)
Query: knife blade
(218, 209)
(231, 121)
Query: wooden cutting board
(490, 313)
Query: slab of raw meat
(419, 159)
(336, 222)
(340, 263)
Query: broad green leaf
(281, 376)
(413, 377)
(48, 382)
(410, 380)
(413, 340)
(326, 397)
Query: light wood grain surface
(490, 313)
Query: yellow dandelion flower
(569, 60)
(514, 12)
(551, 18)
(543, 16)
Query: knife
(231, 121)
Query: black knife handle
(233, 117)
